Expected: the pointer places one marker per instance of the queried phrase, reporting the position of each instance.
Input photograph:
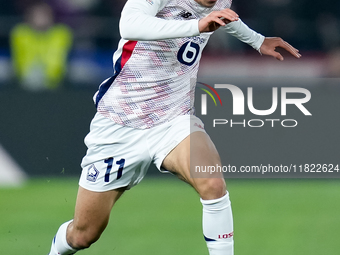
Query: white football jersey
(156, 63)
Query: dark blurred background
(46, 106)
(312, 27)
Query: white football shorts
(119, 156)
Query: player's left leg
(198, 150)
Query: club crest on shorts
(92, 173)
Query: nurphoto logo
(238, 105)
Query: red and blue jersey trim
(128, 48)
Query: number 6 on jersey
(188, 53)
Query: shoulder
(222, 4)
(61, 28)
(152, 2)
(21, 31)
(160, 2)
(61, 31)
(142, 4)
(21, 28)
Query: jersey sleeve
(139, 22)
(242, 32)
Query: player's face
(207, 3)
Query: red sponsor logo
(225, 236)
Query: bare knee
(211, 188)
(82, 237)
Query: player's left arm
(265, 45)
(271, 43)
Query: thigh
(197, 150)
(92, 213)
(116, 156)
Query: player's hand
(271, 43)
(216, 19)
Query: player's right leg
(90, 219)
(116, 160)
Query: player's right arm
(138, 22)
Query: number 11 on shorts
(109, 162)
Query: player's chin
(209, 3)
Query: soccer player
(145, 114)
